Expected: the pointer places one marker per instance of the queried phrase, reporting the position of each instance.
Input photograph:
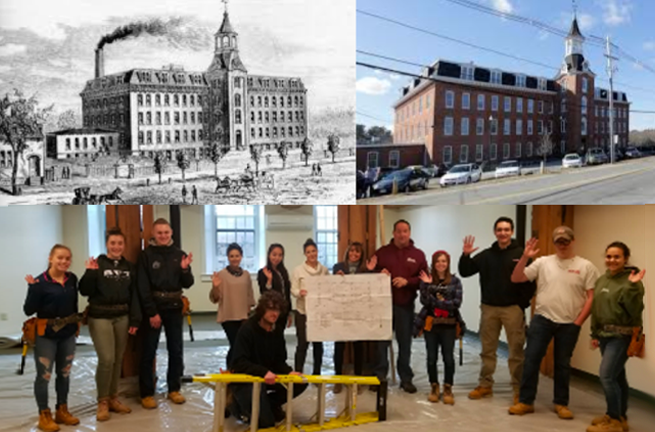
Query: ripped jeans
(48, 353)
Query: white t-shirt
(562, 286)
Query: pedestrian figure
(184, 193)
(194, 195)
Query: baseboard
(637, 394)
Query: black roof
(575, 30)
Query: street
(628, 182)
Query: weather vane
(575, 8)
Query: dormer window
(520, 80)
(495, 77)
(467, 73)
(542, 84)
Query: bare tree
(216, 153)
(20, 119)
(545, 148)
(283, 152)
(183, 161)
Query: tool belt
(637, 343)
(624, 330)
(34, 326)
(186, 306)
(167, 294)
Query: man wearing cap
(565, 289)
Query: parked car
(632, 153)
(596, 156)
(508, 168)
(464, 173)
(407, 179)
(572, 160)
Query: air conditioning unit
(289, 222)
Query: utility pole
(610, 71)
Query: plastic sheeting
(19, 413)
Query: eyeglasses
(563, 242)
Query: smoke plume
(177, 32)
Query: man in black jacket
(262, 352)
(163, 271)
(503, 303)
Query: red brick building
(464, 112)
(391, 156)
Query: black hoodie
(495, 266)
(159, 270)
(112, 284)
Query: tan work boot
(116, 406)
(517, 395)
(149, 402)
(46, 423)
(609, 425)
(600, 419)
(176, 397)
(448, 397)
(337, 388)
(480, 392)
(521, 409)
(102, 413)
(63, 416)
(434, 393)
(624, 424)
(563, 412)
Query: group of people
(568, 290)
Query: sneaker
(176, 397)
(563, 412)
(609, 425)
(408, 387)
(46, 423)
(521, 409)
(481, 392)
(62, 416)
(448, 397)
(337, 388)
(102, 414)
(116, 406)
(434, 393)
(149, 402)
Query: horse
(113, 196)
(226, 183)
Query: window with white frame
(506, 151)
(479, 126)
(520, 80)
(563, 106)
(495, 77)
(494, 103)
(518, 150)
(467, 73)
(551, 107)
(530, 106)
(97, 224)
(542, 84)
(493, 151)
(465, 126)
(494, 127)
(519, 127)
(519, 105)
(507, 105)
(540, 106)
(241, 224)
(479, 152)
(528, 151)
(326, 233)
(464, 154)
(481, 99)
(448, 126)
(563, 126)
(447, 155)
(540, 127)
(372, 159)
(466, 101)
(450, 99)
(583, 126)
(583, 105)
(584, 85)
(530, 127)
(507, 127)
(550, 126)
(394, 158)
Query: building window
(506, 151)
(157, 100)
(177, 136)
(563, 107)
(519, 105)
(448, 126)
(584, 85)
(542, 84)
(465, 126)
(507, 127)
(139, 99)
(494, 103)
(481, 98)
(371, 159)
(540, 127)
(495, 77)
(540, 106)
(479, 152)
(530, 106)
(493, 152)
(518, 150)
(241, 224)
(479, 126)
(494, 127)
(237, 116)
(583, 126)
(507, 104)
(463, 153)
(519, 127)
(447, 155)
(583, 105)
(450, 99)
(140, 118)
(326, 233)
(149, 137)
(394, 158)
(466, 101)
(158, 118)
(520, 80)
(467, 73)
(530, 127)
(551, 107)
(528, 152)
(167, 137)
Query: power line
(371, 117)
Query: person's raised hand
(186, 260)
(425, 277)
(372, 263)
(469, 245)
(531, 249)
(91, 264)
(636, 277)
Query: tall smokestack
(100, 63)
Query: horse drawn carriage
(83, 196)
(244, 182)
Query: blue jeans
(612, 374)
(47, 353)
(171, 320)
(441, 336)
(403, 324)
(272, 397)
(540, 333)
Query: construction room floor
(405, 412)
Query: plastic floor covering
(409, 412)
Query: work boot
(480, 392)
(609, 425)
(149, 402)
(563, 412)
(517, 394)
(337, 388)
(116, 406)
(600, 419)
(62, 416)
(46, 423)
(176, 397)
(408, 387)
(448, 397)
(434, 393)
(624, 424)
(103, 410)
(521, 409)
